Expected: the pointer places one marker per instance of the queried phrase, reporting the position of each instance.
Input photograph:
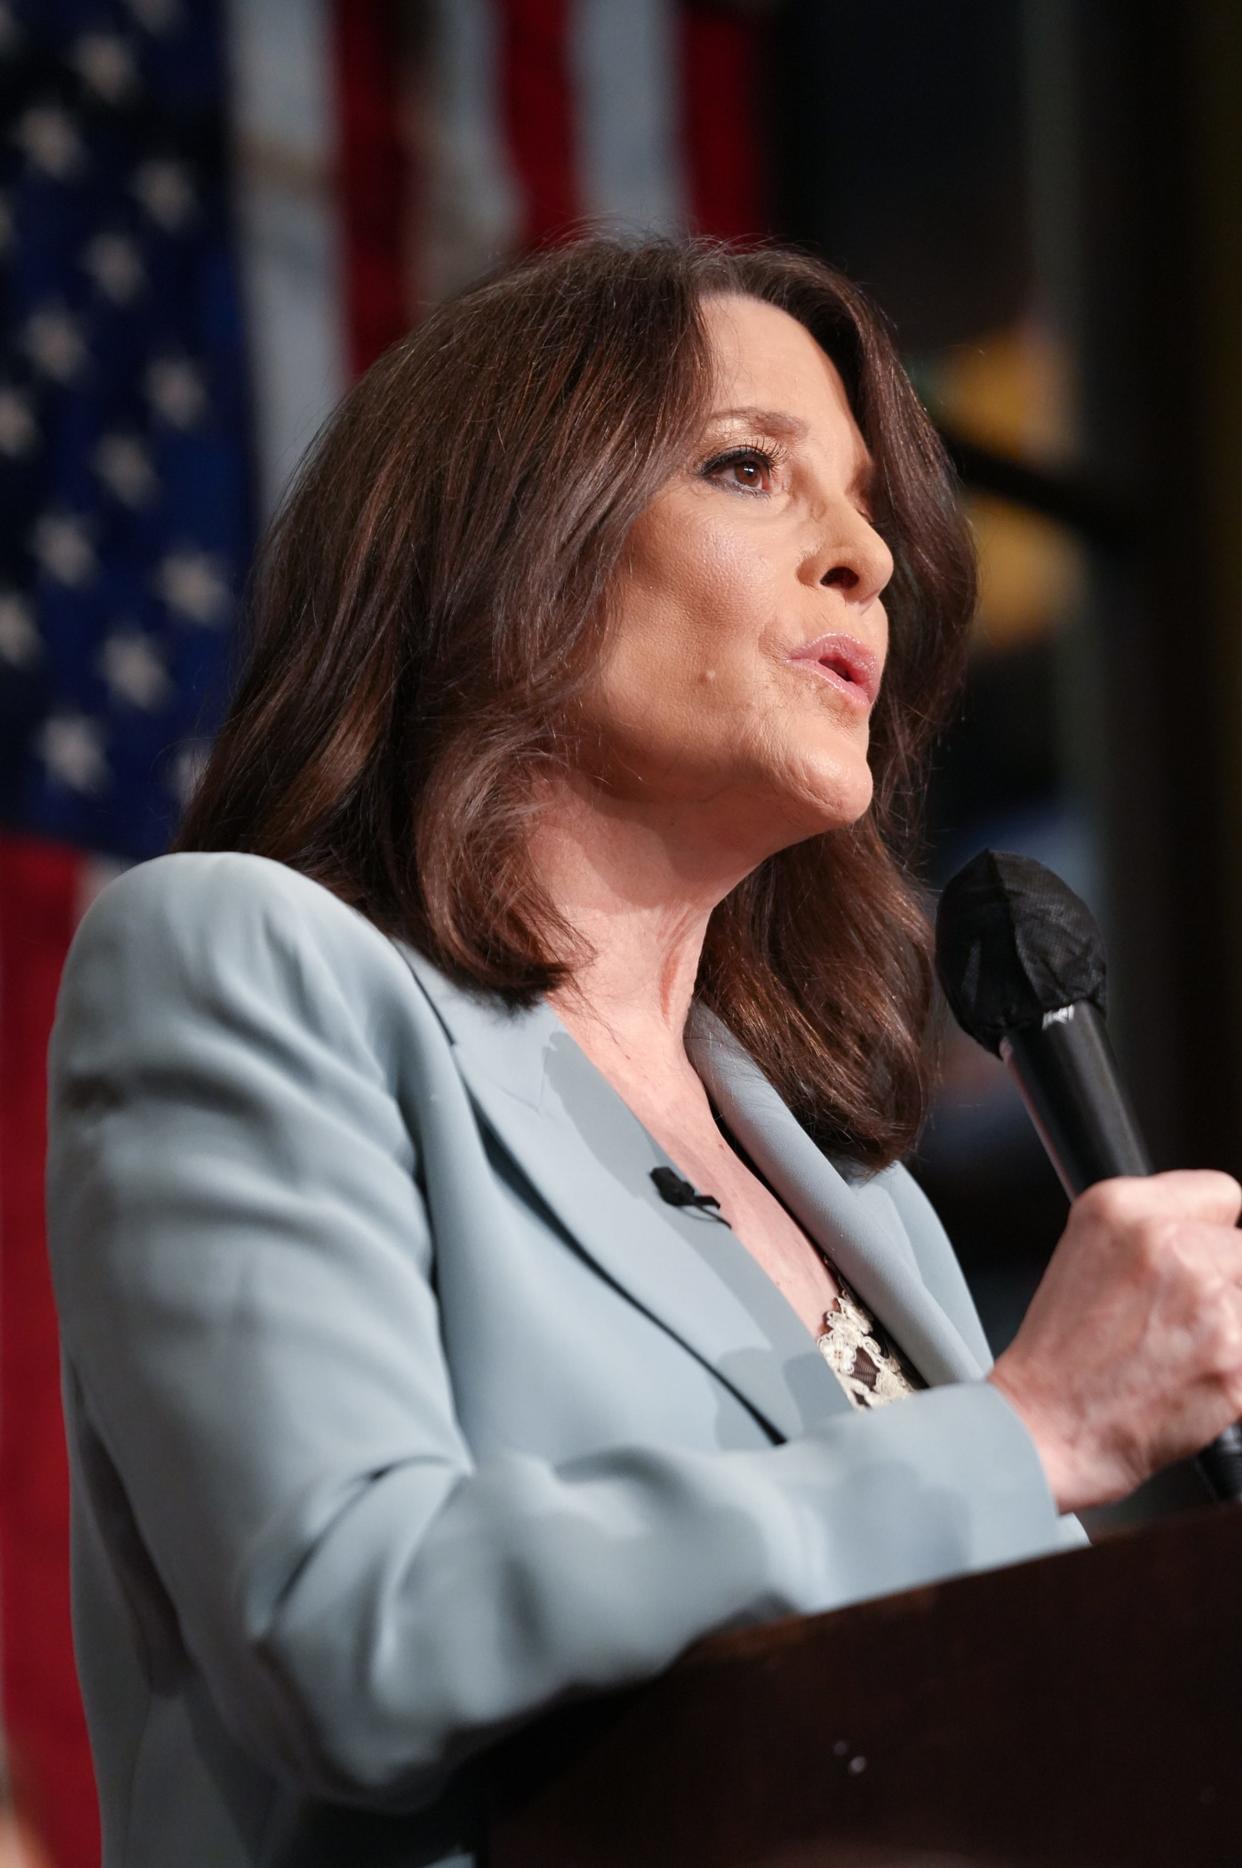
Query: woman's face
(754, 551)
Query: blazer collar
(589, 1158)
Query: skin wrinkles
(709, 751)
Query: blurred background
(214, 215)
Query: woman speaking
(483, 1257)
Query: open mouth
(838, 664)
(847, 664)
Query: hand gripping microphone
(1021, 962)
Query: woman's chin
(833, 800)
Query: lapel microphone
(678, 1192)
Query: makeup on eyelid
(773, 454)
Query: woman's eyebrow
(781, 422)
(776, 421)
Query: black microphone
(1021, 962)
(678, 1192)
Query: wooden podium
(1081, 1709)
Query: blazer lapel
(850, 1216)
(590, 1159)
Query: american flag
(213, 215)
(123, 430)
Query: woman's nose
(856, 560)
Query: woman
(476, 1208)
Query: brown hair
(431, 599)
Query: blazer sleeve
(245, 1279)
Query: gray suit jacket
(401, 1407)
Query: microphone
(1021, 962)
(678, 1192)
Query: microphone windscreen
(1013, 942)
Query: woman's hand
(1130, 1355)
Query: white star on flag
(193, 585)
(176, 391)
(188, 766)
(124, 466)
(165, 191)
(105, 63)
(63, 547)
(18, 430)
(69, 745)
(130, 665)
(114, 263)
(54, 341)
(50, 138)
(19, 639)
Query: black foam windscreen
(1013, 942)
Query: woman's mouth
(846, 664)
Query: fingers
(1130, 1354)
(1205, 1194)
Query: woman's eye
(752, 467)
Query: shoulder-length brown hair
(432, 597)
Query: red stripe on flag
(45, 1725)
(721, 63)
(537, 114)
(369, 55)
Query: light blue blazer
(401, 1407)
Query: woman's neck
(643, 905)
